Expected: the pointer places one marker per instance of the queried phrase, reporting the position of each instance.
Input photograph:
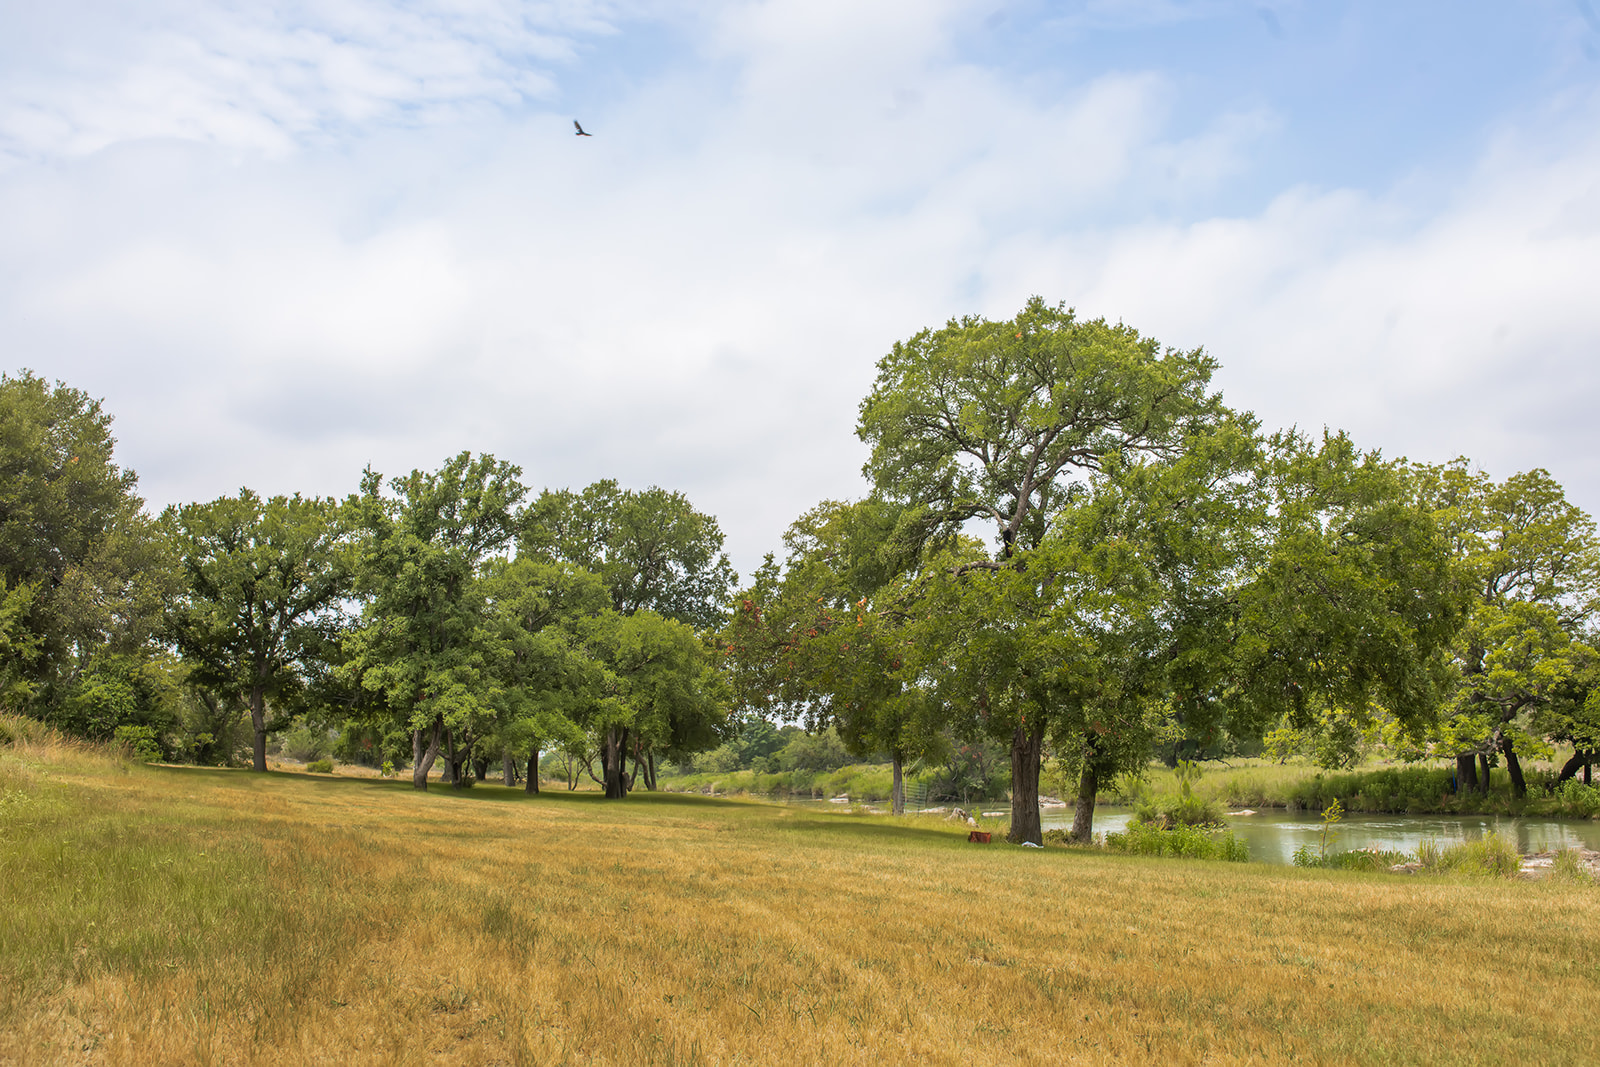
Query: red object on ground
(980, 836)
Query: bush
(1190, 842)
(821, 752)
(1168, 811)
(306, 744)
(719, 760)
(320, 766)
(139, 742)
(1578, 798)
(1182, 809)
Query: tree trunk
(508, 768)
(533, 770)
(897, 802)
(456, 758)
(422, 757)
(1483, 765)
(480, 769)
(1579, 762)
(1027, 747)
(1519, 788)
(258, 720)
(1466, 775)
(650, 770)
(1083, 813)
(614, 758)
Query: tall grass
(1178, 839)
(185, 915)
(1413, 790)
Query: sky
(285, 242)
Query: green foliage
(261, 612)
(719, 760)
(1189, 842)
(822, 751)
(1525, 670)
(139, 742)
(650, 548)
(82, 573)
(1332, 739)
(422, 649)
(1361, 859)
(1184, 808)
(1578, 798)
(118, 691)
(320, 766)
(306, 743)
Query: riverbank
(1396, 789)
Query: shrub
(1191, 842)
(320, 766)
(306, 744)
(719, 760)
(139, 742)
(1578, 798)
(1182, 809)
(1168, 811)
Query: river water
(1272, 836)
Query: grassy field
(183, 915)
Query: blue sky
(285, 242)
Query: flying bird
(580, 132)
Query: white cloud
(697, 295)
(81, 76)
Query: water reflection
(1273, 836)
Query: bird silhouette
(580, 132)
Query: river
(1272, 836)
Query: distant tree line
(1074, 553)
(436, 617)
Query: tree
(1521, 666)
(651, 548)
(266, 580)
(544, 674)
(1000, 421)
(425, 642)
(660, 694)
(82, 571)
(846, 662)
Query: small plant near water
(1189, 842)
(1304, 857)
(1491, 855)
(1580, 799)
(1569, 867)
(1181, 809)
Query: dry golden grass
(183, 915)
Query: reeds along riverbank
(184, 915)
(1406, 790)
